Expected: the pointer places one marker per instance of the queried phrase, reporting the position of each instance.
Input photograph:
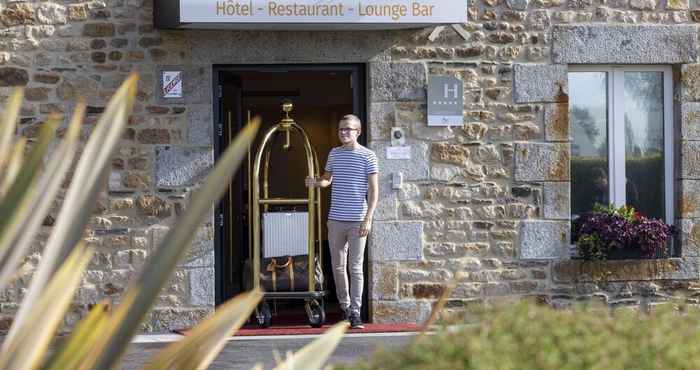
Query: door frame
(359, 95)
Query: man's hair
(352, 119)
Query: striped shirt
(350, 170)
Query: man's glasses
(346, 130)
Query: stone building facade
(487, 203)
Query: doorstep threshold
(166, 338)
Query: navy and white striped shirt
(350, 170)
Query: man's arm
(323, 182)
(372, 198)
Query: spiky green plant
(29, 183)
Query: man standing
(353, 172)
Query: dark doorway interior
(321, 94)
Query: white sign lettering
(398, 152)
(324, 11)
(452, 90)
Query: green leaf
(90, 173)
(201, 345)
(20, 192)
(17, 239)
(8, 124)
(315, 354)
(26, 350)
(162, 262)
(14, 164)
(73, 351)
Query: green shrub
(526, 336)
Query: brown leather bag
(285, 274)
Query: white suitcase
(285, 234)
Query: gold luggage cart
(314, 295)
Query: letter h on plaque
(454, 90)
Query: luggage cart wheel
(263, 315)
(316, 312)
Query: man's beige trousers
(347, 245)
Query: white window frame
(616, 131)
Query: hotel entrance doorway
(321, 95)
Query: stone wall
(486, 203)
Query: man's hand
(365, 227)
(311, 182)
(319, 182)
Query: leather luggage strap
(272, 268)
(290, 262)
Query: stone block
(689, 237)
(626, 270)
(533, 83)
(690, 198)
(624, 44)
(690, 82)
(444, 172)
(153, 136)
(115, 183)
(289, 47)
(385, 281)
(201, 281)
(690, 121)
(387, 312)
(176, 166)
(542, 162)
(387, 204)
(201, 252)
(427, 290)
(690, 159)
(517, 4)
(200, 125)
(414, 169)
(17, 14)
(155, 206)
(556, 122)
(99, 30)
(475, 131)
(397, 82)
(381, 120)
(10, 76)
(557, 200)
(396, 241)
(677, 4)
(166, 319)
(157, 235)
(544, 239)
(457, 154)
(643, 4)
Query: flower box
(609, 233)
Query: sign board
(398, 152)
(336, 14)
(445, 101)
(172, 84)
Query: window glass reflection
(589, 149)
(644, 142)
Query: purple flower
(599, 232)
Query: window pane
(644, 142)
(589, 151)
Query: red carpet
(247, 331)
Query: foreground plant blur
(30, 181)
(526, 336)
